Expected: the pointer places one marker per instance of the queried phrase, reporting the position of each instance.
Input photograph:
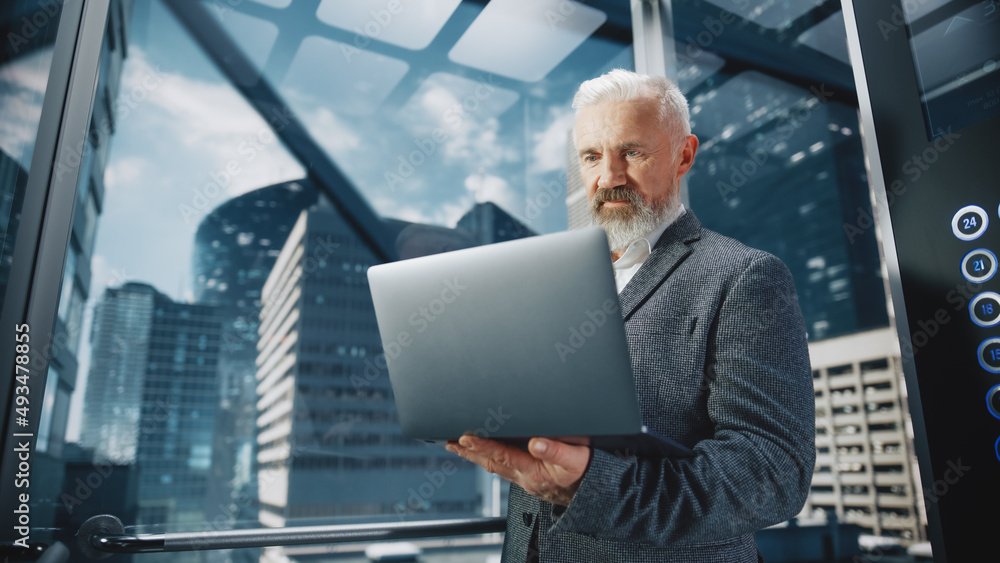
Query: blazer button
(527, 518)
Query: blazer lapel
(669, 251)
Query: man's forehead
(609, 126)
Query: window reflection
(781, 168)
(24, 68)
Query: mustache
(618, 193)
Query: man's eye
(590, 158)
(632, 153)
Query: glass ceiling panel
(828, 37)
(695, 67)
(274, 3)
(355, 85)
(254, 36)
(408, 24)
(740, 105)
(916, 10)
(774, 14)
(526, 39)
(429, 106)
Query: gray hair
(620, 85)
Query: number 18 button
(985, 309)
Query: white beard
(625, 225)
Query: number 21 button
(979, 265)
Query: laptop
(512, 340)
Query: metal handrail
(101, 536)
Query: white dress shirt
(632, 259)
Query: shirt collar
(640, 249)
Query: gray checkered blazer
(721, 364)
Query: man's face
(628, 161)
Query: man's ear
(688, 151)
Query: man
(719, 357)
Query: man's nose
(612, 173)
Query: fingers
(506, 461)
(571, 457)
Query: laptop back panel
(515, 339)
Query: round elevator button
(970, 222)
(979, 265)
(989, 354)
(985, 309)
(993, 400)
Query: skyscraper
(866, 470)
(151, 398)
(235, 248)
(120, 335)
(489, 223)
(330, 443)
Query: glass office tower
(151, 399)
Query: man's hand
(552, 471)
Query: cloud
(485, 188)
(467, 113)
(428, 213)
(550, 145)
(22, 90)
(126, 171)
(331, 132)
(197, 129)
